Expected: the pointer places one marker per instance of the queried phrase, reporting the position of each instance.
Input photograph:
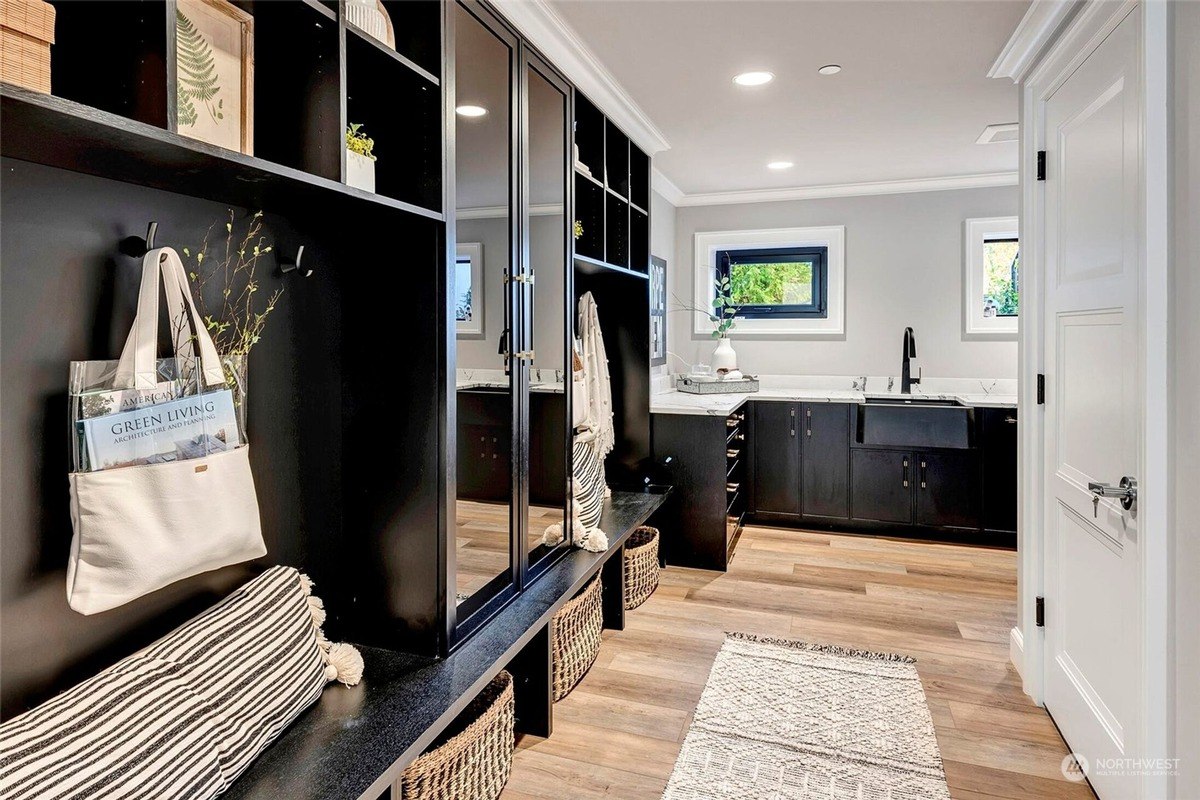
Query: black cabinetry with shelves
(612, 193)
(706, 460)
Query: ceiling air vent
(994, 134)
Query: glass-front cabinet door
(510, 291)
(545, 261)
(481, 563)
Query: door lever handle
(1125, 490)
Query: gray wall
(547, 256)
(662, 228)
(904, 256)
(1185, 358)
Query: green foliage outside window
(788, 283)
(1001, 276)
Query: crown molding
(981, 181)
(559, 43)
(666, 187)
(1033, 33)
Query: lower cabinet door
(881, 485)
(825, 460)
(948, 489)
(776, 458)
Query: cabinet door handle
(808, 423)
(732, 487)
(922, 474)
(906, 473)
(792, 415)
(1011, 420)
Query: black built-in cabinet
(706, 460)
(776, 488)
(811, 470)
(998, 454)
(801, 465)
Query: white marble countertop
(986, 394)
(543, 388)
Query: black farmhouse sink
(914, 423)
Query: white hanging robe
(595, 370)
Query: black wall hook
(136, 246)
(287, 265)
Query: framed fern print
(213, 74)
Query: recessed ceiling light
(830, 69)
(753, 78)
(471, 111)
(780, 165)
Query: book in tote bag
(162, 488)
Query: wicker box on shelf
(26, 33)
(575, 637)
(473, 757)
(641, 566)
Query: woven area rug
(784, 720)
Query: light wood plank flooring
(617, 734)
(482, 540)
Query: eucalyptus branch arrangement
(724, 308)
(230, 275)
(723, 311)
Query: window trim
(473, 251)
(708, 243)
(975, 233)
(820, 259)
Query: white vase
(723, 358)
(360, 171)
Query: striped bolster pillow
(185, 716)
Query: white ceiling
(911, 100)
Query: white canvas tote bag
(142, 527)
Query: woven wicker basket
(26, 33)
(473, 758)
(641, 566)
(575, 637)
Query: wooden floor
(482, 540)
(617, 734)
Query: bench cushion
(185, 716)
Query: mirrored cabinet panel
(481, 538)
(545, 259)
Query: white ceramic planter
(360, 171)
(724, 358)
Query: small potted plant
(360, 158)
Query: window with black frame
(777, 283)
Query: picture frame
(210, 74)
(468, 302)
(658, 311)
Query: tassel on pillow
(343, 662)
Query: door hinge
(1039, 612)
(1041, 389)
(1041, 165)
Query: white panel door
(1092, 405)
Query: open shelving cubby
(616, 231)
(298, 118)
(400, 108)
(613, 201)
